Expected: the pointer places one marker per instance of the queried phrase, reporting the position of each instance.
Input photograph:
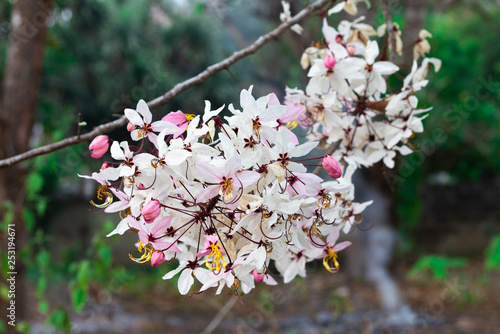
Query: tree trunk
(18, 103)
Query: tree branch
(390, 30)
(179, 88)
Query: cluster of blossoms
(228, 196)
(346, 103)
(224, 196)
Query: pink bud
(141, 186)
(332, 166)
(339, 38)
(99, 146)
(330, 62)
(351, 49)
(258, 277)
(130, 127)
(105, 165)
(157, 258)
(151, 210)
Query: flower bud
(99, 146)
(151, 210)
(331, 166)
(130, 127)
(351, 49)
(105, 165)
(157, 258)
(330, 62)
(258, 277)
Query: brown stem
(390, 30)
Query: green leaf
(34, 184)
(60, 320)
(105, 254)
(368, 4)
(41, 285)
(41, 206)
(30, 219)
(79, 297)
(43, 307)
(84, 273)
(492, 261)
(43, 260)
(23, 327)
(437, 265)
(199, 8)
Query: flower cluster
(228, 196)
(346, 102)
(224, 196)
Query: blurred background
(436, 215)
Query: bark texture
(18, 103)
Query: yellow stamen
(217, 259)
(292, 125)
(190, 117)
(124, 213)
(331, 258)
(226, 189)
(325, 201)
(148, 252)
(101, 192)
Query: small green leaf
(29, 218)
(60, 320)
(34, 184)
(437, 265)
(41, 285)
(105, 254)
(43, 307)
(492, 261)
(23, 327)
(199, 8)
(79, 297)
(84, 272)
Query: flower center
(330, 261)
(217, 263)
(226, 188)
(146, 256)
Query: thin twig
(391, 33)
(179, 88)
(220, 316)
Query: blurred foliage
(438, 266)
(492, 258)
(461, 140)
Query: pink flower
(157, 258)
(178, 118)
(209, 245)
(331, 166)
(228, 181)
(151, 210)
(330, 62)
(99, 146)
(154, 234)
(258, 277)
